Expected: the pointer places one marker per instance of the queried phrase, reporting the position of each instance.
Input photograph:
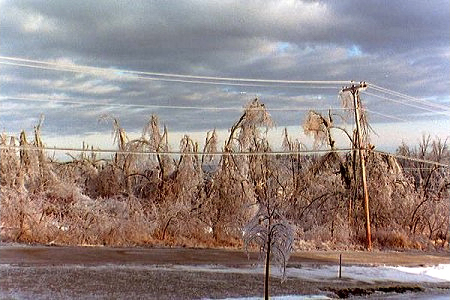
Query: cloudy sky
(49, 50)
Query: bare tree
(431, 184)
(268, 228)
(270, 231)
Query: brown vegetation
(144, 196)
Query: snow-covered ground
(367, 274)
(287, 297)
(431, 274)
(425, 296)
(440, 273)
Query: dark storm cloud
(403, 45)
(189, 30)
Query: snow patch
(288, 297)
(440, 272)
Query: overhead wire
(408, 104)
(384, 115)
(219, 153)
(16, 61)
(407, 97)
(413, 159)
(156, 106)
(117, 73)
(193, 79)
(139, 77)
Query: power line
(431, 162)
(118, 73)
(447, 113)
(407, 97)
(384, 115)
(16, 61)
(158, 76)
(220, 153)
(155, 106)
(192, 81)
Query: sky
(76, 61)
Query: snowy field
(375, 274)
(364, 274)
(431, 274)
(427, 296)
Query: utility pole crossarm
(359, 87)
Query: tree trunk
(266, 279)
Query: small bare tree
(268, 228)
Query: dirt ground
(39, 272)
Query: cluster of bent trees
(207, 195)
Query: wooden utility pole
(354, 90)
